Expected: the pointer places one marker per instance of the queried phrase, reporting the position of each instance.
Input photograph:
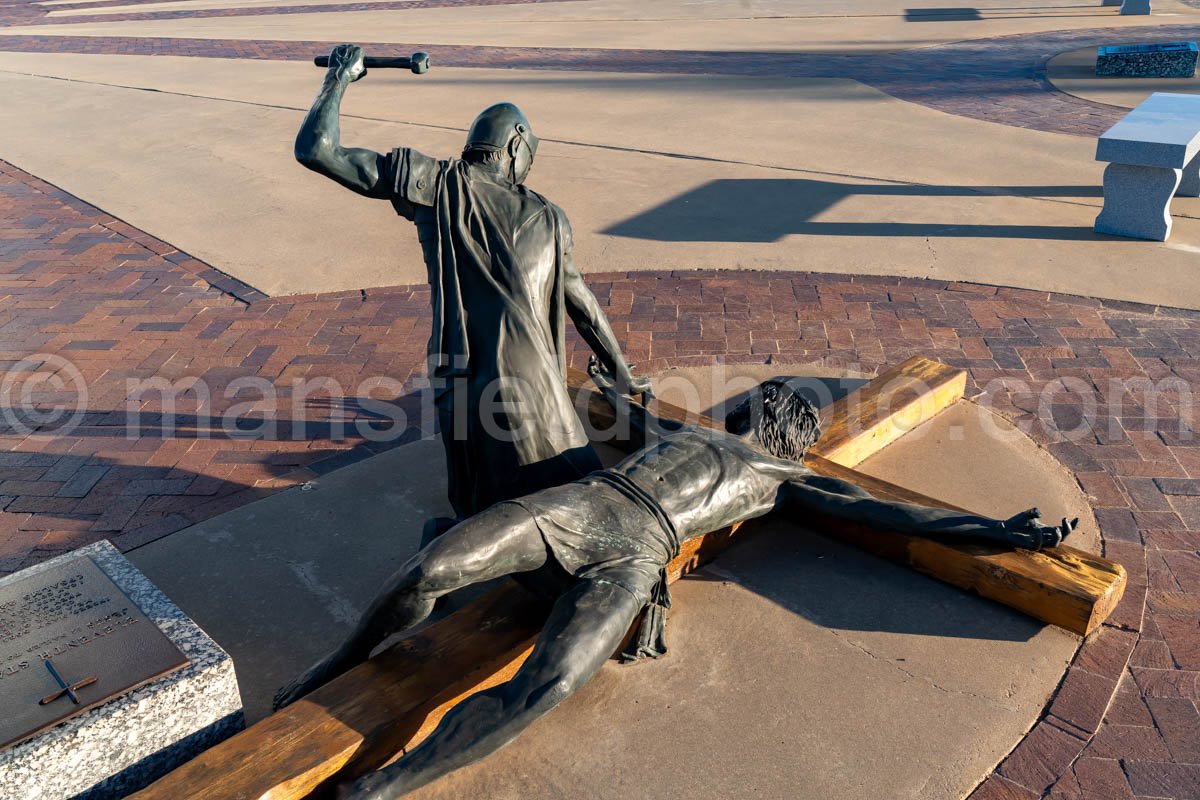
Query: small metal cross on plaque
(67, 689)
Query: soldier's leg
(586, 626)
(498, 542)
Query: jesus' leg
(499, 541)
(586, 626)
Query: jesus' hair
(785, 423)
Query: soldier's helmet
(497, 126)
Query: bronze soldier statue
(607, 539)
(503, 282)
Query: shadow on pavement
(766, 210)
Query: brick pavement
(1104, 386)
(999, 80)
(119, 305)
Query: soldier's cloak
(497, 256)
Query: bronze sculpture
(605, 540)
(499, 255)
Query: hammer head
(420, 62)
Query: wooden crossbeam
(375, 712)
(1064, 586)
(358, 721)
(870, 418)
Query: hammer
(417, 62)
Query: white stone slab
(1164, 131)
(130, 741)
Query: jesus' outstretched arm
(837, 498)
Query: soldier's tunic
(497, 256)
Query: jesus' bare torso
(705, 480)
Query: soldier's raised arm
(318, 144)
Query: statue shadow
(79, 491)
(839, 587)
(58, 502)
(766, 210)
(818, 391)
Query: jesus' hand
(1024, 530)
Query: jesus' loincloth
(606, 527)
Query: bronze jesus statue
(503, 283)
(605, 541)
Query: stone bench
(1152, 155)
(1129, 6)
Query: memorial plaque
(70, 639)
(1161, 60)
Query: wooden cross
(371, 715)
(66, 689)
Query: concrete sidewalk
(648, 168)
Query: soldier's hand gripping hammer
(417, 62)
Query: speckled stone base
(132, 740)
(1126, 62)
(1137, 202)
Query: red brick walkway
(119, 305)
(82, 291)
